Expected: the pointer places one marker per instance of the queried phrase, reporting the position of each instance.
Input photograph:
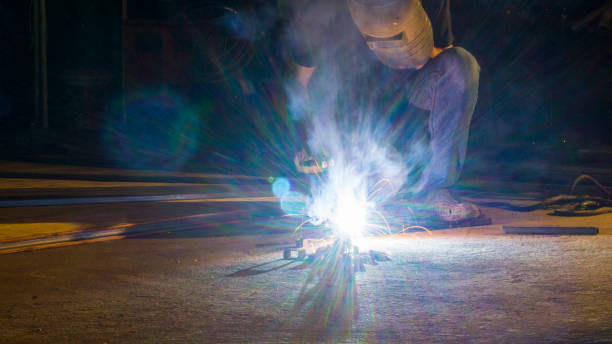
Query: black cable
(586, 176)
(566, 205)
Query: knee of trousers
(461, 66)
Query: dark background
(203, 84)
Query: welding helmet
(397, 31)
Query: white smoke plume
(363, 167)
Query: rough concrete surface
(181, 287)
(202, 275)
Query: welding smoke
(345, 127)
(342, 121)
(364, 160)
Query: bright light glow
(349, 215)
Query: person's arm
(435, 51)
(440, 16)
(304, 45)
(304, 74)
(304, 162)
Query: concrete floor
(211, 279)
(454, 286)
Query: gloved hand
(307, 163)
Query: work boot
(447, 208)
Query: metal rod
(124, 14)
(36, 46)
(43, 40)
(549, 230)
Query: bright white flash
(341, 203)
(349, 214)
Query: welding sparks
(349, 215)
(347, 211)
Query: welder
(396, 51)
